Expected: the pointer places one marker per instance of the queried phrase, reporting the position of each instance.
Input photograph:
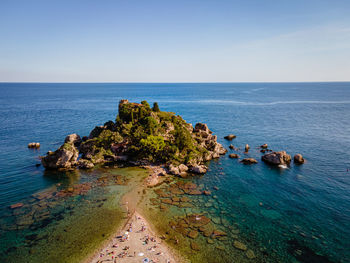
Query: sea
(300, 213)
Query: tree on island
(155, 107)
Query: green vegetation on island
(140, 135)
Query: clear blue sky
(174, 41)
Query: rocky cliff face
(140, 135)
(65, 157)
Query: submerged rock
(192, 234)
(250, 254)
(299, 159)
(239, 245)
(194, 192)
(218, 233)
(230, 137)
(195, 246)
(305, 254)
(167, 201)
(264, 146)
(185, 199)
(196, 220)
(210, 241)
(276, 158)
(199, 169)
(249, 161)
(188, 185)
(18, 205)
(233, 156)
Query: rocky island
(140, 136)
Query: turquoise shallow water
(68, 221)
(305, 210)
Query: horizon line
(175, 82)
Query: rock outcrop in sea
(233, 156)
(299, 159)
(249, 161)
(140, 135)
(230, 137)
(34, 145)
(277, 158)
(65, 157)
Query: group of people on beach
(146, 240)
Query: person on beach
(125, 237)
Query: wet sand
(135, 242)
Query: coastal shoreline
(159, 141)
(136, 238)
(136, 244)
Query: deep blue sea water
(307, 205)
